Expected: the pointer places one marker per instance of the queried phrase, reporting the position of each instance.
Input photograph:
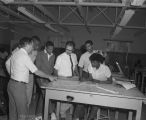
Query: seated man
(98, 73)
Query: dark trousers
(18, 109)
(85, 74)
(79, 111)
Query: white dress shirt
(20, 64)
(102, 73)
(84, 61)
(63, 64)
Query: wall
(6, 36)
(80, 35)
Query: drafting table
(86, 93)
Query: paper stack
(126, 85)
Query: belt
(18, 81)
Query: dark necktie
(71, 64)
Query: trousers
(18, 109)
(29, 88)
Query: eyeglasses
(69, 50)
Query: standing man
(45, 62)
(36, 44)
(84, 63)
(66, 63)
(66, 66)
(18, 66)
(84, 60)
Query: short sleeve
(76, 62)
(30, 65)
(107, 72)
(90, 68)
(7, 64)
(81, 62)
(57, 63)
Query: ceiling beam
(50, 15)
(81, 14)
(10, 12)
(126, 18)
(33, 17)
(66, 3)
(73, 3)
(46, 12)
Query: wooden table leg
(98, 113)
(116, 115)
(138, 112)
(58, 110)
(130, 115)
(46, 105)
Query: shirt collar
(23, 50)
(47, 53)
(68, 54)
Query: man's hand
(52, 78)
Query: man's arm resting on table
(108, 81)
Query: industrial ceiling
(116, 14)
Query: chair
(101, 116)
(103, 113)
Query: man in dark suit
(45, 61)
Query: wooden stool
(103, 116)
(58, 111)
(106, 116)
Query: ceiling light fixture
(137, 2)
(50, 27)
(125, 19)
(30, 15)
(7, 1)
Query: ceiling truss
(71, 13)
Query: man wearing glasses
(66, 63)
(66, 66)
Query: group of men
(27, 60)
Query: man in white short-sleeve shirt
(66, 63)
(18, 66)
(84, 61)
(66, 66)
